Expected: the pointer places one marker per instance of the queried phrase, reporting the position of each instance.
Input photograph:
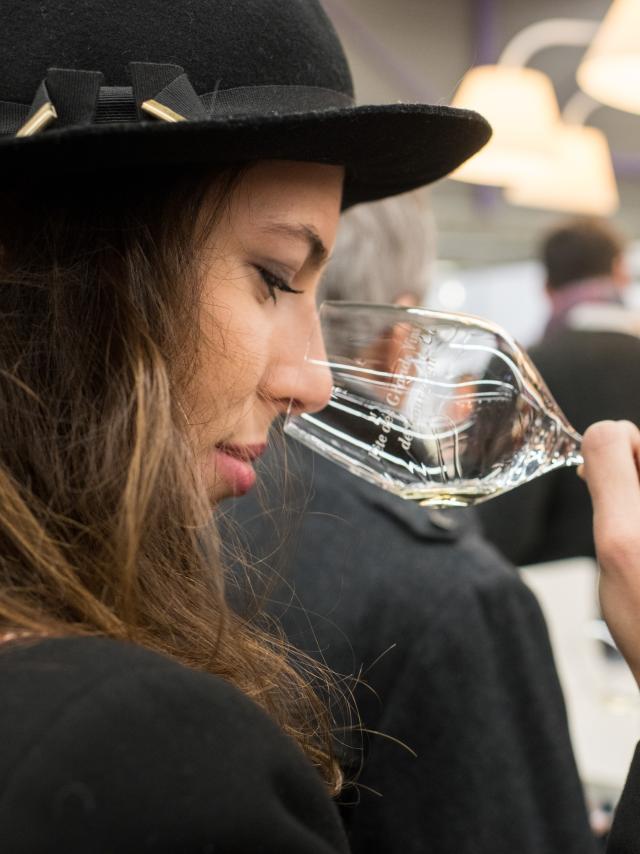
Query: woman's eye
(274, 283)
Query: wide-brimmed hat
(92, 85)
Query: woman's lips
(233, 464)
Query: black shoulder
(153, 756)
(625, 833)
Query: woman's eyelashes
(274, 283)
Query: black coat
(107, 748)
(625, 833)
(593, 376)
(455, 651)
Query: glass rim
(421, 311)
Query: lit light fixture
(579, 178)
(610, 69)
(520, 104)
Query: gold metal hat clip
(39, 120)
(159, 111)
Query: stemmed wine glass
(443, 409)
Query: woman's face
(258, 315)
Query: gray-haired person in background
(465, 745)
(385, 252)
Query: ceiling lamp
(520, 104)
(610, 69)
(579, 177)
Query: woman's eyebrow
(318, 253)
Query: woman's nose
(303, 378)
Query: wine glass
(443, 409)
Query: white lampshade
(610, 69)
(579, 179)
(520, 104)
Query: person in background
(464, 744)
(589, 357)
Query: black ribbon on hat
(159, 91)
(165, 89)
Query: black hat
(101, 84)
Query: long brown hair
(104, 527)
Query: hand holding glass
(443, 409)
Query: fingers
(611, 450)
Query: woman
(612, 462)
(163, 229)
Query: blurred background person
(589, 357)
(464, 744)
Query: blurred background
(425, 50)
(559, 80)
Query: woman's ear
(407, 300)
